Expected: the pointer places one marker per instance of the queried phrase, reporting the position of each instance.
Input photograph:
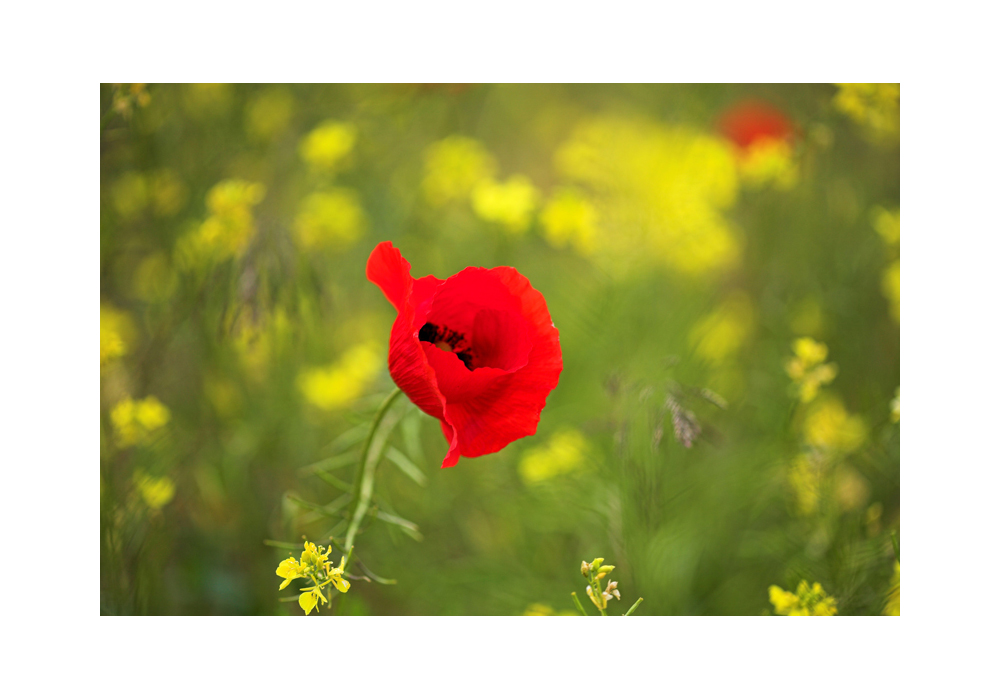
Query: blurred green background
(722, 263)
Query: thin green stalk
(579, 606)
(364, 481)
(634, 606)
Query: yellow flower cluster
(453, 167)
(343, 381)
(331, 218)
(829, 431)
(458, 167)
(510, 204)
(229, 226)
(887, 224)
(326, 147)
(138, 422)
(875, 106)
(807, 368)
(892, 599)
(829, 427)
(569, 218)
(155, 491)
(314, 565)
(769, 161)
(659, 194)
(807, 600)
(116, 333)
(894, 408)
(564, 452)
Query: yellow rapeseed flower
(660, 194)
(453, 167)
(310, 598)
(314, 565)
(806, 368)
(564, 452)
(510, 204)
(769, 161)
(894, 408)
(326, 147)
(875, 106)
(290, 569)
(886, 222)
(829, 426)
(229, 227)
(330, 218)
(117, 332)
(807, 600)
(340, 383)
(569, 218)
(155, 491)
(138, 422)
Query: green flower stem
(595, 586)
(364, 481)
(634, 606)
(579, 606)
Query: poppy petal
(408, 366)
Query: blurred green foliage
(240, 338)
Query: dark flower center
(449, 341)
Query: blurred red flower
(751, 120)
(478, 351)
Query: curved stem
(364, 481)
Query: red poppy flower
(751, 120)
(477, 351)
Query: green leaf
(334, 481)
(283, 545)
(409, 528)
(406, 466)
(325, 510)
(347, 439)
(329, 463)
(632, 609)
